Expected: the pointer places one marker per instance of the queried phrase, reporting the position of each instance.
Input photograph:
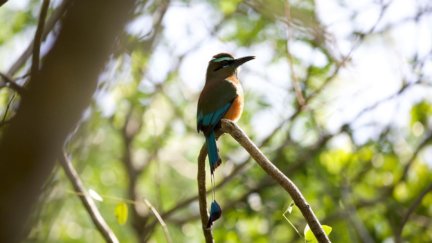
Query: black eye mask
(224, 64)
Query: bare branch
(3, 121)
(8, 82)
(426, 141)
(297, 88)
(128, 132)
(38, 37)
(87, 201)
(161, 221)
(53, 19)
(351, 213)
(201, 177)
(276, 174)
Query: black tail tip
(215, 214)
(215, 165)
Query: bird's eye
(224, 64)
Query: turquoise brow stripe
(220, 59)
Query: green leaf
(228, 6)
(420, 112)
(310, 237)
(121, 213)
(327, 229)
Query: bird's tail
(212, 151)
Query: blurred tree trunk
(53, 104)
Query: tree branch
(160, 219)
(294, 79)
(8, 82)
(411, 160)
(38, 37)
(277, 175)
(411, 209)
(86, 200)
(201, 177)
(50, 23)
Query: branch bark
(201, 177)
(277, 175)
(38, 36)
(87, 201)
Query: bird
(221, 97)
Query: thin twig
(50, 23)
(277, 175)
(351, 214)
(3, 121)
(140, 201)
(161, 221)
(38, 37)
(413, 206)
(87, 201)
(201, 177)
(427, 140)
(297, 88)
(8, 82)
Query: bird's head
(224, 65)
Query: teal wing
(215, 100)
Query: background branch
(7, 81)
(38, 37)
(411, 209)
(86, 200)
(50, 23)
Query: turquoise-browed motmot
(221, 97)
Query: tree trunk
(52, 105)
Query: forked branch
(270, 169)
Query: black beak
(241, 60)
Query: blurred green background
(339, 98)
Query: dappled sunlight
(338, 98)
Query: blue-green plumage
(215, 101)
(208, 123)
(212, 151)
(215, 213)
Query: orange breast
(235, 110)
